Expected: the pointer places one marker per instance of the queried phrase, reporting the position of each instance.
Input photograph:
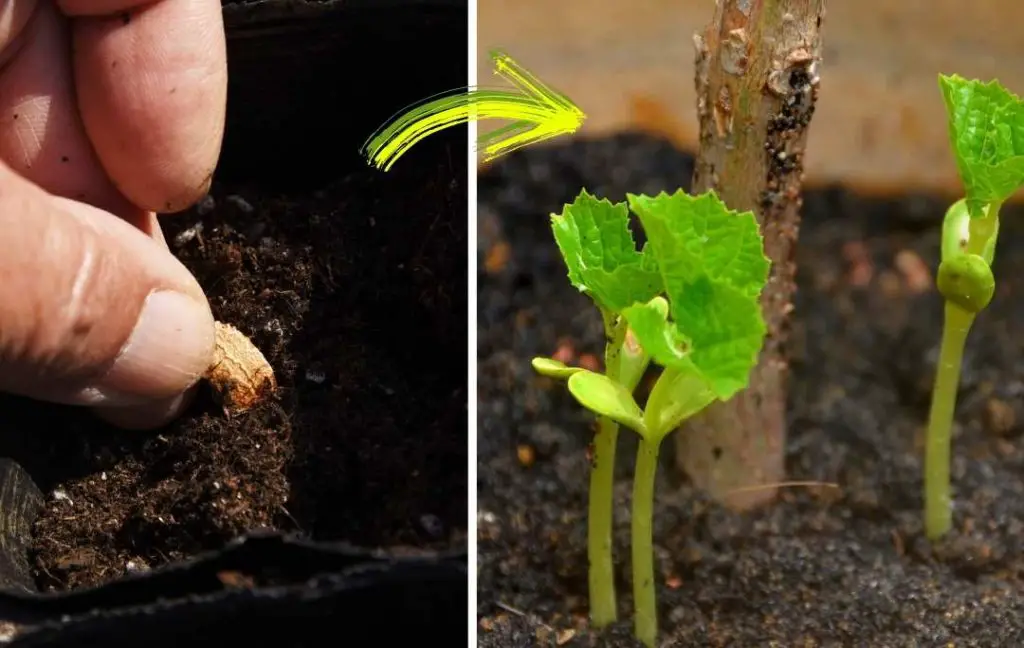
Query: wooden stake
(757, 72)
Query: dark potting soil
(356, 294)
(821, 567)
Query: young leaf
(633, 359)
(986, 129)
(553, 368)
(605, 397)
(659, 338)
(601, 255)
(677, 395)
(713, 269)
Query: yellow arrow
(537, 112)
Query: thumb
(92, 311)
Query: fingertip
(152, 91)
(150, 416)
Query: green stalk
(646, 615)
(601, 572)
(938, 516)
(966, 283)
(599, 525)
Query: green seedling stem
(986, 128)
(602, 482)
(688, 302)
(966, 283)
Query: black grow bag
(308, 83)
(311, 595)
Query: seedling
(688, 302)
(986, 129)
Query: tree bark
(757, 83)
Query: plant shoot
(986, 130)
(688, 301)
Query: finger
(14, 15)
(152, 90)
(45, 141)
(41, 134)
(148, 416)
(92, 311)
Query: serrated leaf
(605, 397)
(724, 244)
(986, 130)
(601, 255)
(553, 368)
(713, 270)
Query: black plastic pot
(308, 83)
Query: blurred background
(880, 124)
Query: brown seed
(241, 377)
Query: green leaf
(986, 130)
(716, 241)
(553, 368)
(677, 395)
(601, 255)
(713, 269)
(659, 337)
(605, 397)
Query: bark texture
(757, 70)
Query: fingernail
(167, 352)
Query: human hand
(110, 110)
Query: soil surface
(356, 293)
(821, 567)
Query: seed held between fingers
(239, 374)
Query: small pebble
(497, 258)
(526, 455)
(186, 235)
(590, 362)
(999, 417)
(565, 353)
(240, 203)
(432, 525)
(914, 270)
(860, 270)
(206, 205)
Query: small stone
(432, 525)
(590, 362)
(497, 258)
(206, 205)
(914, 270)
(526, 455)
(999, 417)
(240, 203)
